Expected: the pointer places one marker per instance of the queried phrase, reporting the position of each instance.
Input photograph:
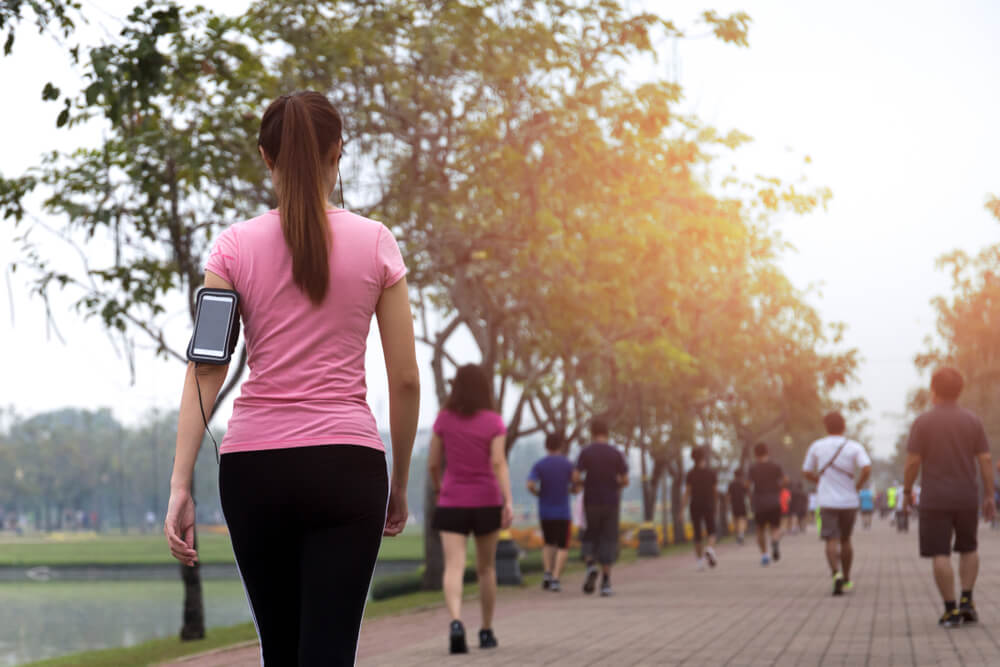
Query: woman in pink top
(303, 478)
(474, 496)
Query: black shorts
(700, 517)
(837, 524)
(768, 517)
(938, 527)
(464, 520)
(600, 539)
(739, 511)
(556, 532)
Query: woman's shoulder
(341, 217)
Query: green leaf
(50, 92)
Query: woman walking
(474, 496)
(303, 477)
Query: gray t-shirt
(948, 439)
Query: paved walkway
(666, 613)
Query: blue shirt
(601, 463)
(867, 500)
(554, 474)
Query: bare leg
(711, 540)
(944, 577)
(453, 545)
(486, 569)
(562, 555)
(699, 548)
(548, 557)
(776, 534)
(833, 555)
(968, 569)
(741, 526)
(762, 538)
(846, 558)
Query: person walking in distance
(551, 479)
(840, 468)
(867, 505)
(737, 494)
(303, 478)
(766, 479)
(474, 496)
(700, 495)
(602, 471)
(944, 446)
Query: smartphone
(216, 326)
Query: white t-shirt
(836, 488)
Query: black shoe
(546, 581)
(591, 581)
(775, 552)
(968, 612)
(487, 639)
(838, 584)
(458, 644)
(950, 619)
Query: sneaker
(838, 584)
(700, 565)
(765, 560)
(710, 555)
(546, 581)
(775, 551)
(487, 639)
(739, 540)
(968, 611)
(950, 619)
(606, 588)
(591, 580)
(555, 586)
(457, 637)
(848, 585)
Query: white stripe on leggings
(388, 486)
(253, 616)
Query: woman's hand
(507, 516)
(395, 517)
(179, 527)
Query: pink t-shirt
(468, 474)
(307, 363)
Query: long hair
(470, 391)
(299, 134)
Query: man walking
(551, 479)
(945, 444)
(603, 472)
(767, 478)
(700, 491)
(737, 493)
(832, 463)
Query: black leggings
(306, 525)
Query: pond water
(47, 619)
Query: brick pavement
(741, 614)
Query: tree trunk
(433, 553)
(194, 603)
(193, 626)
(676, 503)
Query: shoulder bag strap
(833, 458)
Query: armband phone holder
(216, 326)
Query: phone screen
(212, 325)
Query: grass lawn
(91, 549)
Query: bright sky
(893, 101)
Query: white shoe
(701, 564)
(710, 555)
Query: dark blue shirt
(602, 464)
(554, 474)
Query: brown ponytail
(299, 133)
